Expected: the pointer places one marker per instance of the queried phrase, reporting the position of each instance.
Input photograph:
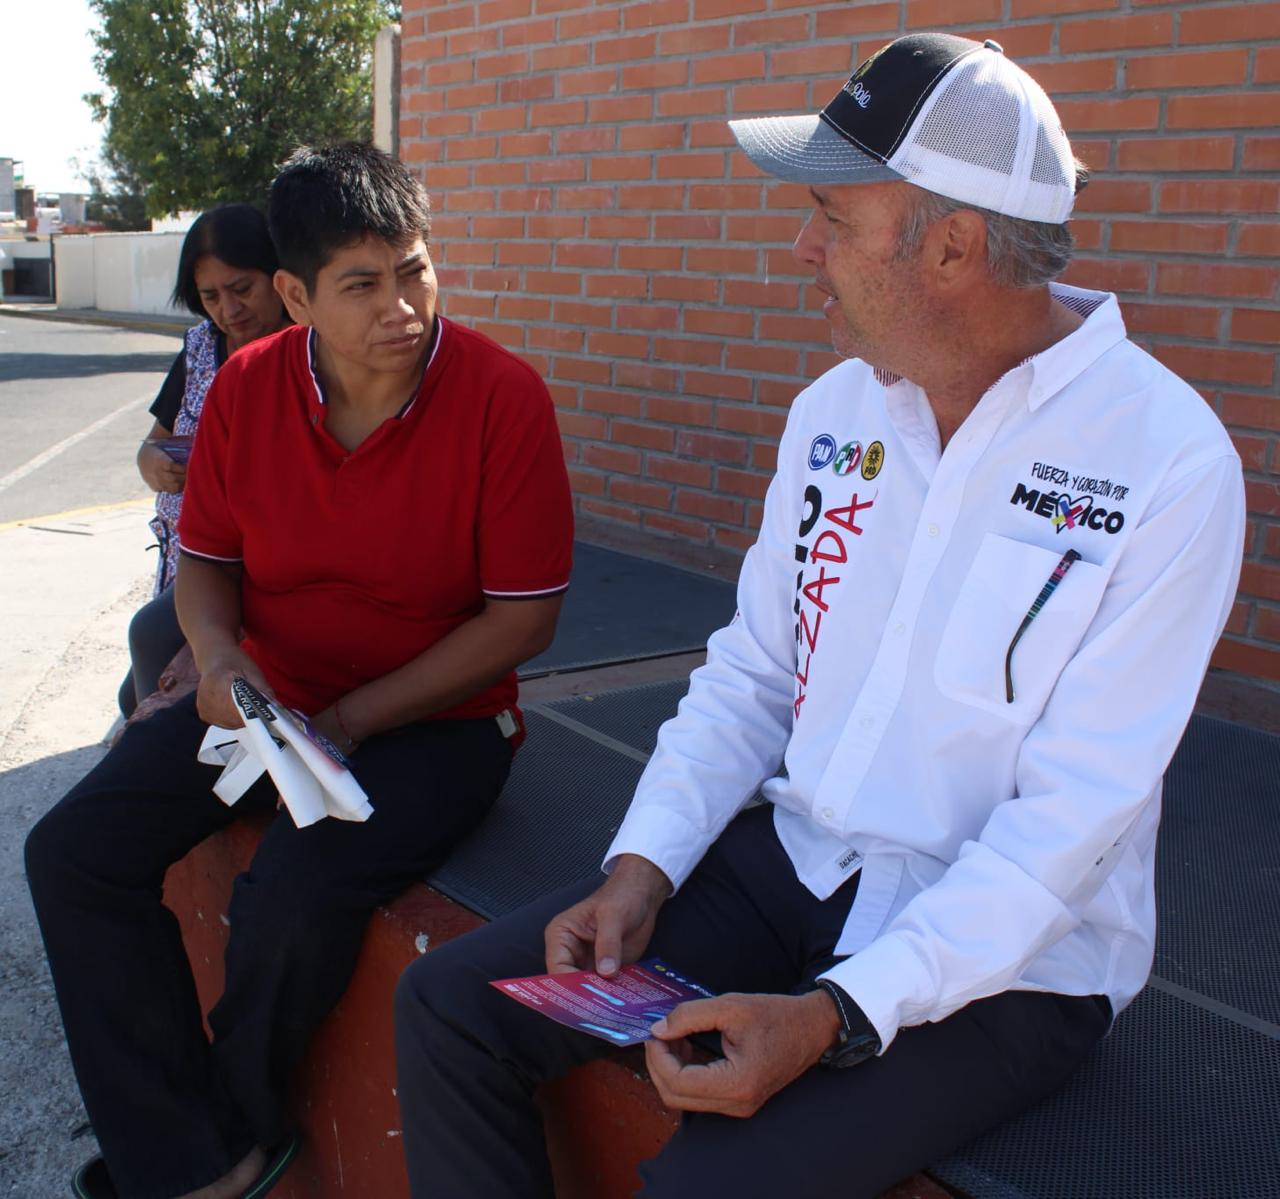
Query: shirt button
(934, 530)
(899, 629)
(867, 721)
(828, 814)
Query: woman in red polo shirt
(377, 530)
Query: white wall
(20, 247)
(118, 272)
(74, 270)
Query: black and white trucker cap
(950, 115)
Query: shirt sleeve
(207, 526)
(1087, 774)
(731, 730)
(168, 403)
(525, 526)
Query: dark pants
(469, 1058)
(171, 1111)
(154, 638)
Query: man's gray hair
(1020, 253)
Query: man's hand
(768, 1042)
(214, 702)
(612, 926)
(159, 471)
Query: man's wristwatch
(857, 1039)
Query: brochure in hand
(620, 1010)
(177, 446)
(312, 775)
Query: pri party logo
(846, 461)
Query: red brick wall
(592, 216)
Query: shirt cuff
(887, 981)
(662, 836)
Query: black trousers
(469, 1058)
(154, 637)
(171, 1111)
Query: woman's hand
(159, 471)
(329, 724)
(214, 701)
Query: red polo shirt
(356, 562)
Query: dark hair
(326, 197)
(236, 234)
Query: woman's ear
(293, 291)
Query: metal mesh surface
(1177, 1103)
(1218, 868)
(550, 826)
(632, 715)
(619, 608)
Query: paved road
(73, 407)
(73, 567)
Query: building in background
(8, 203)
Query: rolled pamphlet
(311, 774)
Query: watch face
(853, 1049)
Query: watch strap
(857, 1039)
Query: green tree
(117, 197)
(206, 97)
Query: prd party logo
(846, 461)
(873, 460)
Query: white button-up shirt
(1003, 843)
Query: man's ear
(960, 255)
(293, 291)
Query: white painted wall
(118, 272)
(74, 270)
(20, 247)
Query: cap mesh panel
(950, 130)
(989, 136)
(1053, 151)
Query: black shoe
(278, 1161)
(92, 1181)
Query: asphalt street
(74, 565)
(73, 407)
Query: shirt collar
(437, 336)
(1065, 360)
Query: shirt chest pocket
(1004, 582)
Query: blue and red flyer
(620, 1010)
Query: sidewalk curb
(146, 322)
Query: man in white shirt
(1000, 546)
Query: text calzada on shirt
(836, 526)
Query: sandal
(92, 1181)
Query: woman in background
(225, 275)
